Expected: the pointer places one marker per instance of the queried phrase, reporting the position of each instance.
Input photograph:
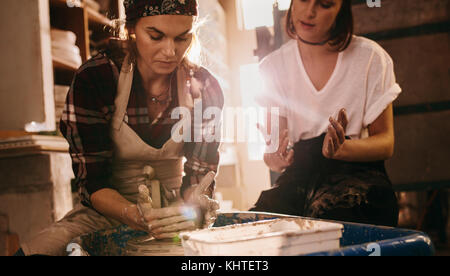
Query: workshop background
(45, 41)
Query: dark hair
(342, 32)
(131, 43)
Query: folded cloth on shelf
(63, 36)
(69, 48)
(64, 49)
(67, 57)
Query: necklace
(157, 99)
(312, 43)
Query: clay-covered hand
(198, 197)
(335, 137)
(161, 223)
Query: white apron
(134, 163)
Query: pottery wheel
(151, 247)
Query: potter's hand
(335, 137)
(283, 157)
(161, 223)
(197, 196)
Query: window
(258, 13)
(284, 4)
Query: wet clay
(153, 247)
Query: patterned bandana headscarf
(135, 9)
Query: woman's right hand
(283, 157)
(132, 217)
(335, 136)
(161, 223)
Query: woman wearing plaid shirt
(118, 121)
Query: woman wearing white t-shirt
(334, 92)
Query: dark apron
(314, 186)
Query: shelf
(61, 3)
(32, 144)
(94, 16)
(63, 65)
(5, 134)
(97, 18)
(63, 72)
(86, 23)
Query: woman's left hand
(335, 137)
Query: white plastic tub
(280, 237)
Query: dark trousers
(314, 186)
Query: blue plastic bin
(357, 239)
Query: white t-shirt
(363, 82)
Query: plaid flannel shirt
(89, 107)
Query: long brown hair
(342, 31)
